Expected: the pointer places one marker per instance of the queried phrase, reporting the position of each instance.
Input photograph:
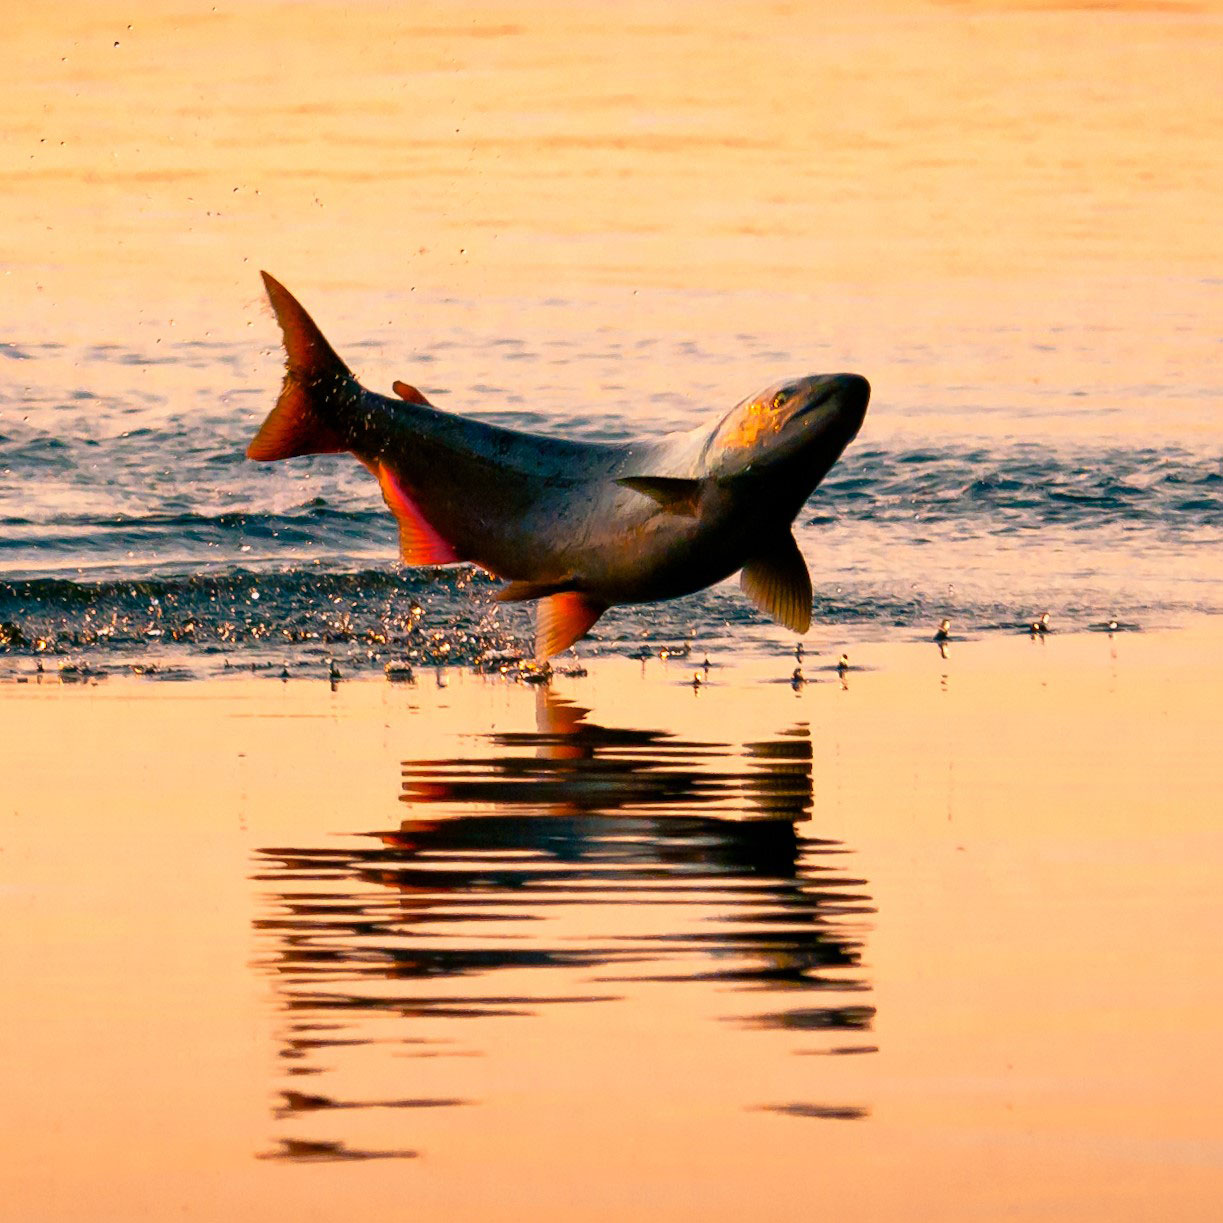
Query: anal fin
(520, 592)
(562, 619)
(419, 542)
(778, 583)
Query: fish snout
(838, 397)
(852, 392)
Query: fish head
(801, 426)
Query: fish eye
(780, 399)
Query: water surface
(941, 930)
(936, 935)
(572, 866)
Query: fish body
(578, 526)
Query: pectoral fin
(562, 619)
(675, 495)
(778, 583)
(419, 542)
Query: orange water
(978, 977)
(1025, 833)
(155, 158)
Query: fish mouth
(849, 393)
(836, 402)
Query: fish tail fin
(313, 375)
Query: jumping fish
(577, 526)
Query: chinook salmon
(577, 526)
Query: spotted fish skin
(578, 526)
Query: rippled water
(133, 532)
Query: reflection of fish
(579, 768)
(575, 863)
(578, 526)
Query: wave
(144, 519)
(209, 573)
(1170, 489)
(303, 617)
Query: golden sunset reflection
(1005, 905)
(890, 922)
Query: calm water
(942, 931)
(572, 866)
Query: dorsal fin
(419, 542)
(674, 494)
(562, 619)
(409, 394)
(778, 583)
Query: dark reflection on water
(825, 1112)
(300, 1150)
(514, 865)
